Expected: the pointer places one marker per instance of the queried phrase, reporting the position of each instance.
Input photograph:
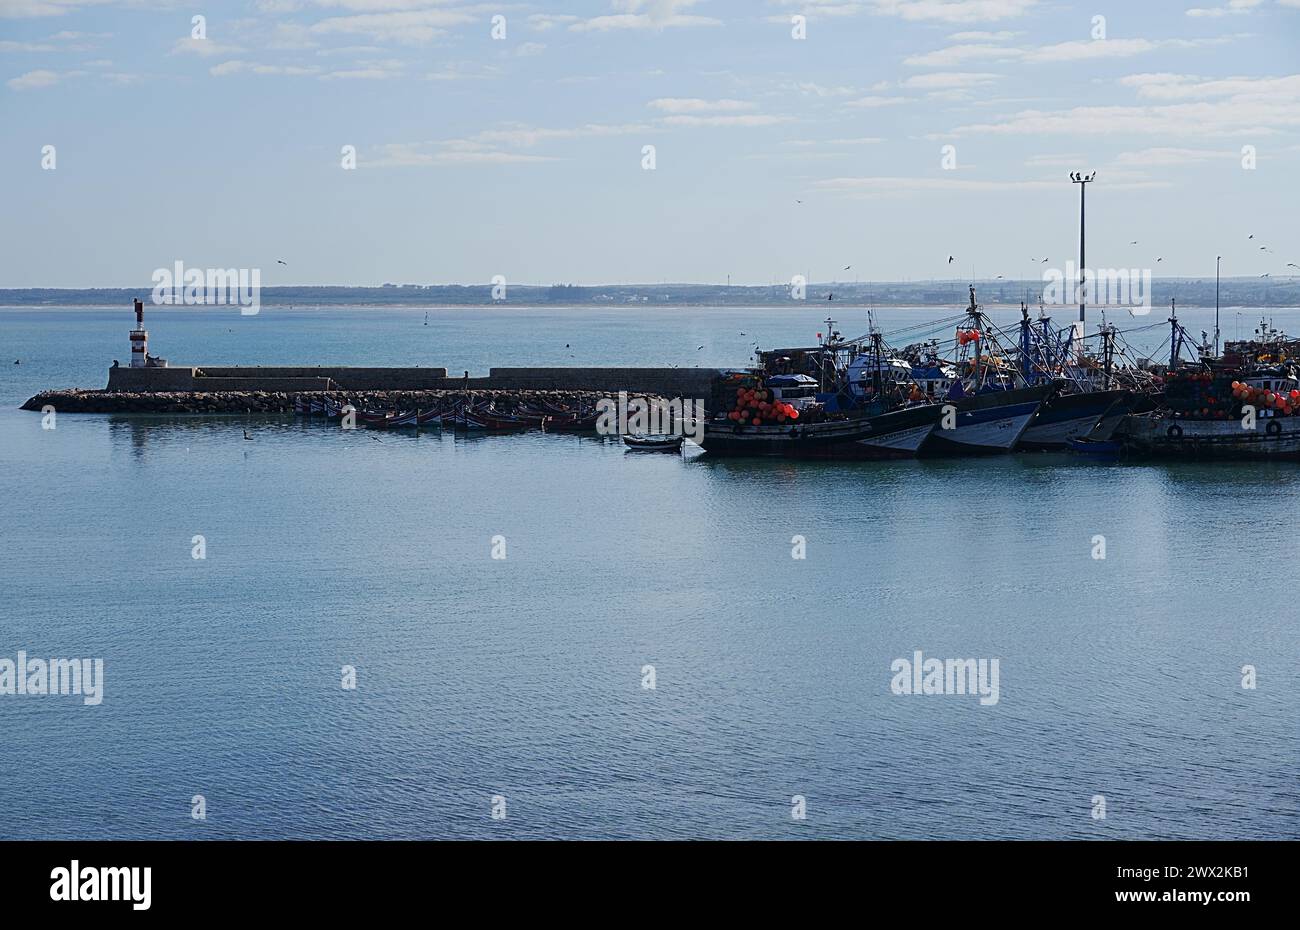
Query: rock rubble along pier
(273, 402)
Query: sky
(840, 139)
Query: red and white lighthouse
(139, 338)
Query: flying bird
(1288, 264)
(999, 276)
(1264, 275)
(1134, 242)
(847, 267)
(949, 259)
(248, 437)
(1159, 259)
(281, 261)
(1251, 236)
(830, 296)
(698, 348)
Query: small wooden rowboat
(654, 442)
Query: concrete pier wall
(667, 382)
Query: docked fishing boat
(991, 404)
(896, 434)
(1066, 417)
(1243, 405)
(841, 399)
(988, 423)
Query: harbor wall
(667, 382)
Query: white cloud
(747, 120)
(526, 136)
(1001, 36)
(34, 79)
(415, 27)
(1075, 50)
(948, 80)
(423, 154)
(645, 14)
(954, 11)
(696, 105)
(204, 48)
(1233, 8)
(1165, 157)
(904, 186)
(875, 102)
(241, 67)
(544, 21)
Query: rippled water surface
(522, 677)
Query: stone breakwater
(270, 402)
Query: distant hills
(1191, 292)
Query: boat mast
(1026, 366)
(974, 312)
(1173, 332)
(1217, 259)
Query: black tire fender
(1274, 428)
(1174, 432)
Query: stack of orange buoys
(757, 406)
(1263, 399)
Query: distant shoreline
(1234, 294)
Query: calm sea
(483, 680)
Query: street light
(1078, 177)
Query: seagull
(374, 437)
(1159, 259)
(698, 348)
(999, 276)
(1251, 236)
(798, 201)
(1134, 242)
(1042, 261)
(1288, 264)
(248, 437)
(949, 259)
(1264, 275)
(18, 361)
(847, 267)
(830, 296)
(281, 261)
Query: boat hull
(1166, 437)
(899, 434)
(987, 424)
(1067, 417)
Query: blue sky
(522, 156)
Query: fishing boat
(841, 399)
(1242, 405)
(897, 434)
(989, 408)
(654, 442)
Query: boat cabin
(796, 390)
